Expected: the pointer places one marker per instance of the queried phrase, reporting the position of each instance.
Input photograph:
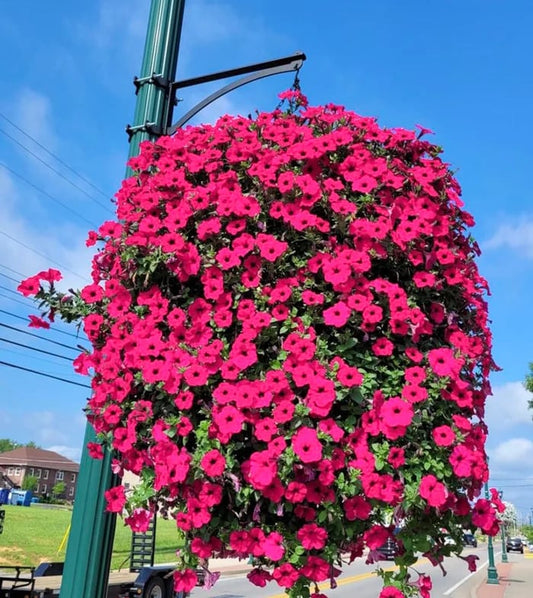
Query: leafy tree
(30, 482)
(528, 383)
(59, 489)
(6, 444)
(510, 516)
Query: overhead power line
(48, 340)
(43, 351)
(48, 360)
(9, 313)
(14, 271)
(54, 170)
(9, 277)
(32, 371)
(13, 291)
(41, 254)
(38, 189)
(55, 156)
(14, 300)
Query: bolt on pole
(90, 544)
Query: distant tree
(510, 515)
(58, 490)
(528, 383)
(30, 482)
(6, 444)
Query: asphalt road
(357, 577)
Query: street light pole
(90, 544)
(492, 573)
(504, 547)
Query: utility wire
(48, 340)
(516, 485)
(13, 291)
(24, 276)
(58, 201)
(11, 342)
(9, 313)
(23, 354)
(10, 277)
(56, 157)
(59, 174)
(41, 254)
(15, 300)
(19, 367)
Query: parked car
(470, 540)
(514, 544)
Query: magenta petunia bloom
(433, 491)
(306, 445)
(337, 315)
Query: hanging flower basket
(290, 346)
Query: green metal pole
(160, 58)
(492, 572)
(88, 556)
(90, 544)
(504, 547)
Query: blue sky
(460, 68)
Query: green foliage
(59, 489)
(7, 444)
(30, 482)
(528, 383)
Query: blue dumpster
(21, 497)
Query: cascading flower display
(290, 346)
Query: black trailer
(44, 581)
(156, 582)
(19, 582)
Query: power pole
(88, 556)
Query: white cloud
(70, 452)
(120, 25)
(515, 454)
(210, 28)
(222, 22)
(508, 407)
(211, 113)
(53, 428)
(517, 236)
(32, 111)
(24, 242)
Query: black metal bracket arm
(257, 71)
(252, 72)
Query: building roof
(34, 457)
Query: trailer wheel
(155, 588)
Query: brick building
(47, 466)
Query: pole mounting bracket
(150, 128)
(153, 79)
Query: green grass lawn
(35, 534)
